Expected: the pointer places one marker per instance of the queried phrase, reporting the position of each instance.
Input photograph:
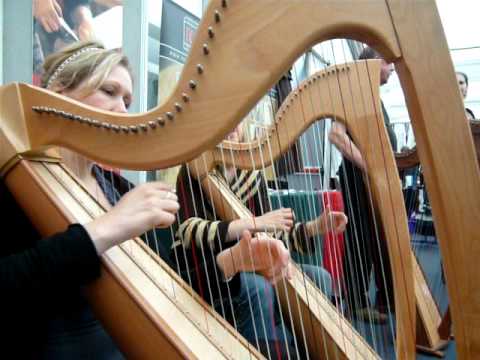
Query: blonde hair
(87, 62)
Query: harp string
(283, 282)
(230, 298)
(395, 243)
(347, 191)
(289, 165)
(313, 241)
(397, 237)
(263, 211)
(379, 337)
(287, 242)
(367, 327)
(249, 296)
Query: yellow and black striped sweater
(198, 225)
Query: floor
(380, 336)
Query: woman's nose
(119, 106)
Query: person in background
(364, 251)
(462, 80)
(58, 23)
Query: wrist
(97, 236)
(101, 237)
(310, 228)
(226, 263)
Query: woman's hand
(335, 221)
(48, 14)
(143, 208)
(262, 254)
(280, 219)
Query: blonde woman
(43, 312)
(233, 265)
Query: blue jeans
(320, 277)
(255, 313)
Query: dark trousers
(365, 245)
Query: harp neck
(348, 93)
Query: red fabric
(333, 246)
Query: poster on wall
(176, 37)
(177, 31)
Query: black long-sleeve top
(38, 279)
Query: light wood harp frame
(241, 49)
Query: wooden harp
(353, 100)
(234, 38)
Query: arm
(48, 14)
(63, 259)
(334, 221)
(276, 220)
(72, 257)
(261, 254)
(339, 137)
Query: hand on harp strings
(262, 254)
(145, 207)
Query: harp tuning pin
(152, 124)
(125, 129)
(185, 97)
(144, 127)
(161, 121)
(206, 50)
(200, 68)
(116, 128)
(211, 33)
(106, 125)
(178, 107)
(133, 128)
(170, 116)
(192, 84)
(217, 16)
